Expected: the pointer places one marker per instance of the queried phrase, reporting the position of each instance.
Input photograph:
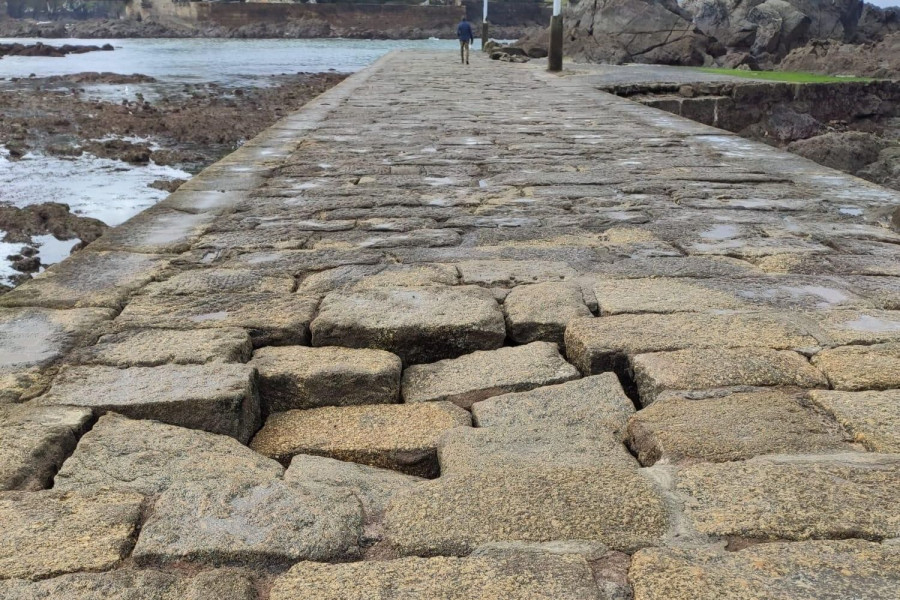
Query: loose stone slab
(49, 533)
(32, 339)
(211, 281)
(541, 312)
(302, 377)
(813, 569)
(796, 497)
(402, 437)
(103, 279)
(219, 398)
(597, 345)
(660, 295)
(473, 377)
(154, 347)
(268, 318)
(229, 523)
(133, 584)
(873, 418)
(508, 273)
(733, 427)
(34, 442)
(522, 575)
(719, 368)
(149, 457)
(592, 403)
(418, 324)
(854, 368)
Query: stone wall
(62, 9)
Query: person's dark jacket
(464, 32)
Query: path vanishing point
(451, 333)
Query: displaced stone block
(719, 368)
(854, 368)
(402, 437)
(796, 497)
(149, 457)
(873, 418)
(473, 377)
(216, 397)
(593, 403)
(597, 345)
(34, 442)
(303, 377)
(220, 281)
(261, 525)
(154, 347)
(418, 324)
(732, 427)
(541, 312)
(660, 295)
(813, 569)
(270, 319)
(508, 273)
(48, 533)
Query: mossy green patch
(785, 76)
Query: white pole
(484, 17)
(557, 7)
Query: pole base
(555, 56)
(485, 27)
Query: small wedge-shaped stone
(660, 295)
(719, 368)
(873, 418)
(135, 584)
(854, 368)
(228, 523)
(148, 457)
(219, 398)
(418, 324)
(733, 427)
(402, 437)
(34, 441)
(269, 318)
(213, 281)
(153, 347)
(541, 312)
(796, 497)
(518, 576)
(592, 403)
(814, 570)
(303, 377)
(597, 345)
(49, 533)
(480, 375)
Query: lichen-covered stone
(848, 327)
(873, 418)
(660, 295)
(302, 377)
(154, 347)
(34, 442)
(541, 312)
(402, 437)
(509, 273)
(480, 375)
(49, 533)
(217, 281)
(215, 397)
(854, 368)
(418, 324)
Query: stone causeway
(465, 333)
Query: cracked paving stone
(480, 375)
(215, 397)
(32, 339)
(593, 403)
(302, 377)
(719, 368)
(402, 437)
(34, 442)
(733, 427)
(795, 497)
(148, 457)
(268, 318)
(508, 273)
(595, 345)
(813, 570)
(873, 418)
(49, 533)
(134, 584)
(418, 324)
(540, 312)
(212, 281)
(221, 522)
(154, 347)
(855, 368)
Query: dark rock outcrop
(20, 224)
(879, 59)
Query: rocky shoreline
(44, 50)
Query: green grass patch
(786, 76)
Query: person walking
(466, 37)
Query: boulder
(848, 151)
